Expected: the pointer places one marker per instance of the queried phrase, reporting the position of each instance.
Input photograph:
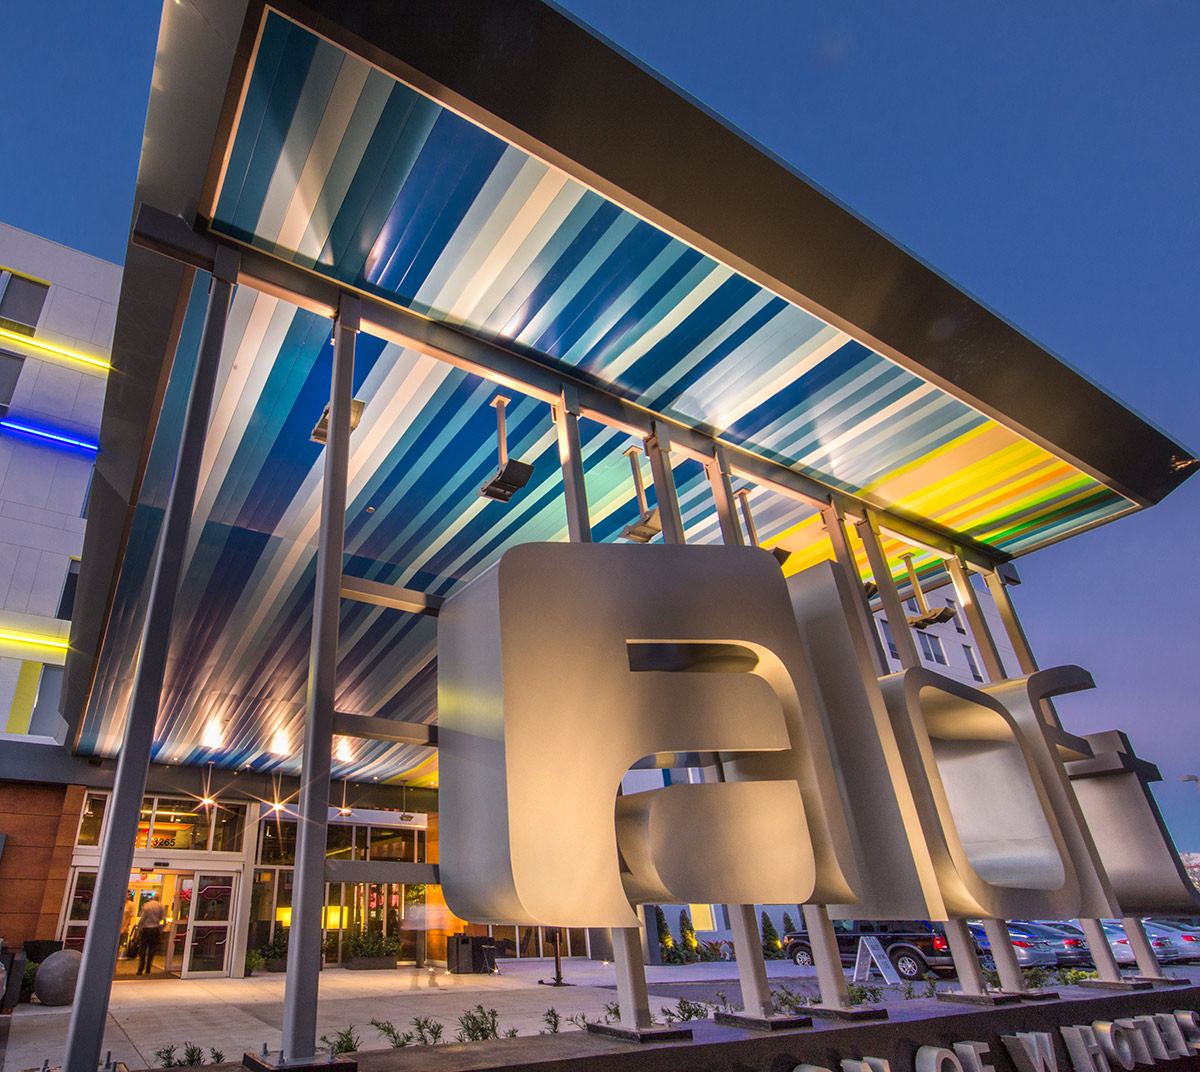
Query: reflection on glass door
(210, 926)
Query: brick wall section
(39, 821)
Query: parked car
(1070, 950)
(915, 947)
(1163, 945)
(1185, 936)
(1032, 952)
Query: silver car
(1185, 936)
(1032, 952)
(1165, 950)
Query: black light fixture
(512, 475)
(870, 589)
(648, 525)
(926, 617)
(933, 617)
(320, 434)
(781, 554)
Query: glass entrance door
(210, 925)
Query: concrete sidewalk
(235, 1015)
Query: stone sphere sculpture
(56, 977)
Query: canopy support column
(717, 472)
(979, 628)
(570, 454)
(85, 1032)
(1143, 951)
(868, 532)
(1004, 955)
(1107, 969)
(308, 896)
(831, 978)
(658, 450)
(747, 942)
(835, 528)
(966, 962)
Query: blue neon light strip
(47, 434)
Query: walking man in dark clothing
(150, 925)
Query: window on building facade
(66, 602)
(957, 619)
(931, 648)
(910, 605)
(969, 652)
(93, 819)
(172, 824)
(10, 372)
(21, 301)
(889, 640)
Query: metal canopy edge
(532, 74)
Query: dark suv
(914, 946)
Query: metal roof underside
(337, 165)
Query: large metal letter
(612, 653)
(308, 897)
(85, 1034)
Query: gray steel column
(1107, 968)
(843, 557)
(975, 619)
(1143, 951)
(752, 968)
(831, 979)
(962, 949)
(658, 450)
(85, 1033)
(1004, 955)
(747, 942)
(1012, 624)
(631, 977)
(1026, 660)
(897, 620)
(570, 454)
(308, 894)
(717, 472)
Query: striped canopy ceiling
(341, 168)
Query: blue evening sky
(1043, 155)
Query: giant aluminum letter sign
(564, 665)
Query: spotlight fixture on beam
(320, 434)
(648, 525)
(512, 475)
(932, 617)
(781, 554)
(870, 589)
(926, 617)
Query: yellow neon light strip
(45, 642)
(27, 341)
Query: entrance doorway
(197, 929)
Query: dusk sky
(1041, 155)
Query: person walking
(127, 920)
(150, 925)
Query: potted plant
(370, 951)
(275, 953)
(254, 959)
